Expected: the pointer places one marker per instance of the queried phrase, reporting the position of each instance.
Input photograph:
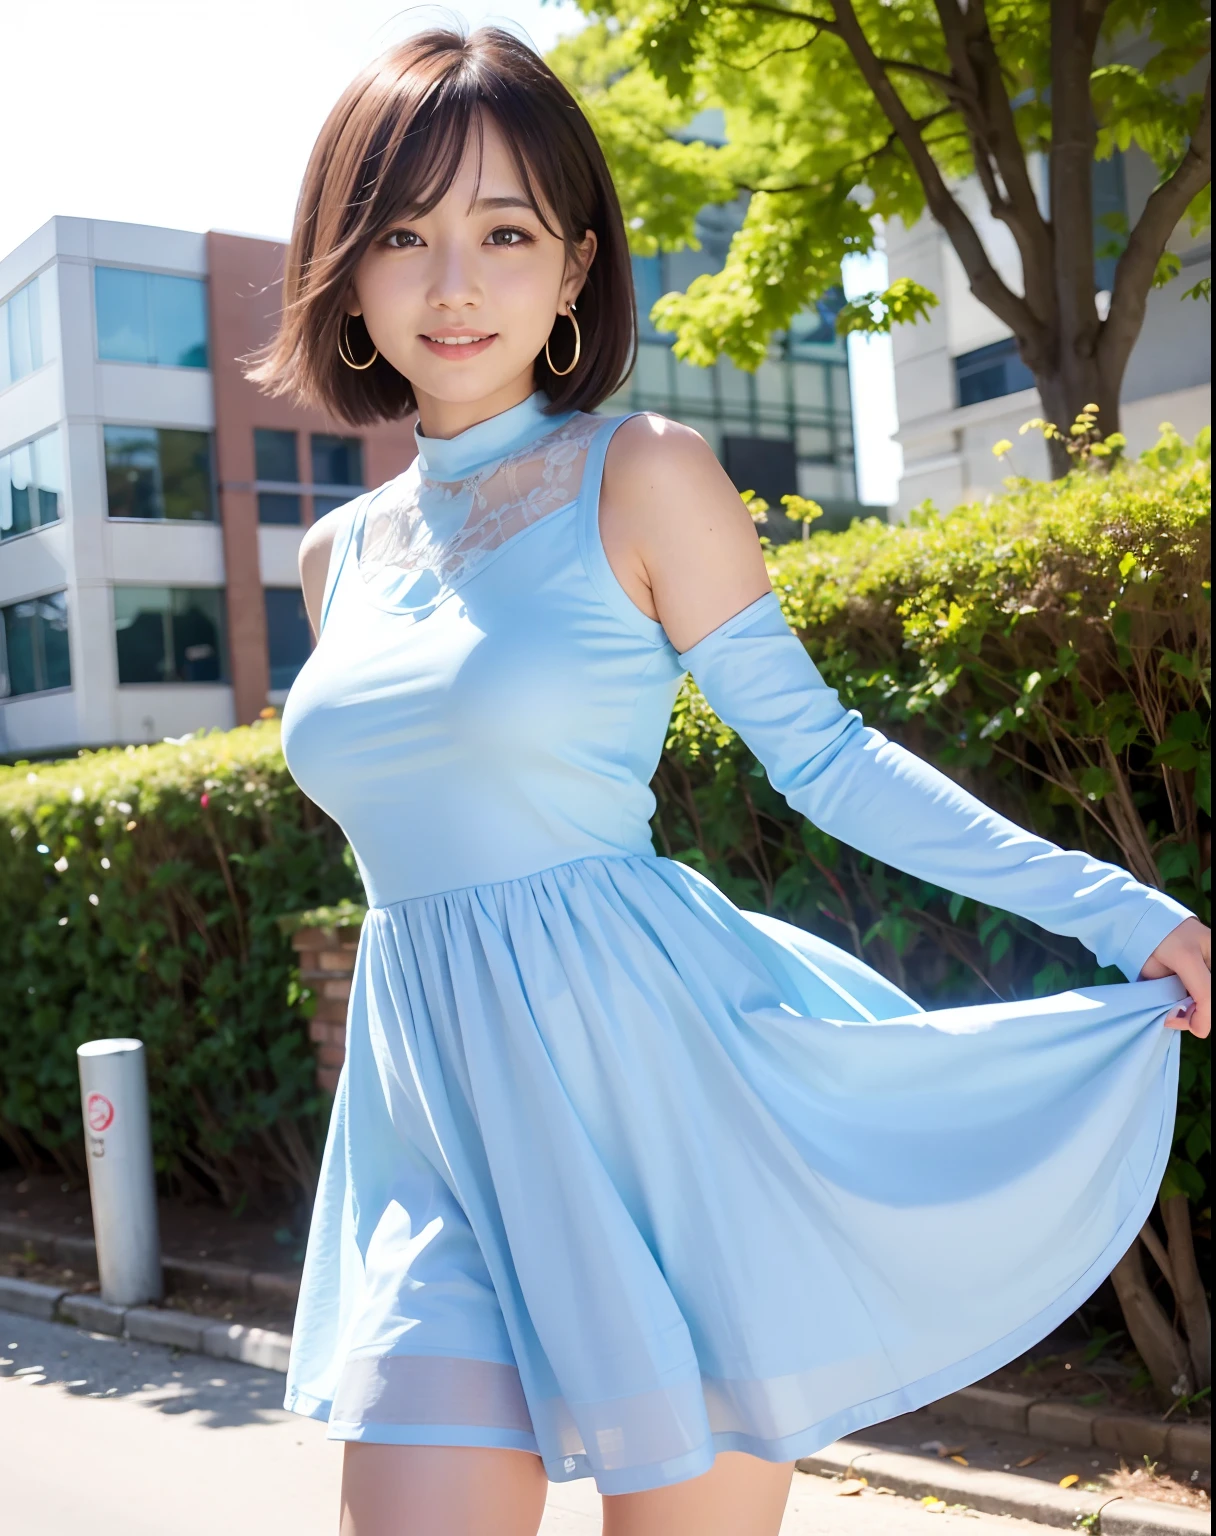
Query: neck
(448, 418)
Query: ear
(578, 266)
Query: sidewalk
(172, 1445)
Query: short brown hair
(394, 143)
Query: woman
(622, 1181)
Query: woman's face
(462, 300)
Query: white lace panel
(447, 528)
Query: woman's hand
(1186, 952)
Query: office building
(960, 383)
(152, 500)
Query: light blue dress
(616, 1172)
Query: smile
(459, 347)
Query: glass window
(31, 485)
(810, 386)
(814, 443)
(650, 374)
(336, 460)
(771, 385)
(279, 507)
(158, 473)
(179, 320)
(27, 329)
(35, 636)
(694, 386)
(765, 465)
(150, 317)
(288, 636)
(990, 372)
(274, 456)
(170, 634)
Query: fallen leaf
(1067, 1482)
(849, 1486)
(933, 1506)
(1029, 1461)
(962, 1460)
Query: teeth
(456, 341)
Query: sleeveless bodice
(484, 700)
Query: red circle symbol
(99, 1112)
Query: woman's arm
(670, 518)
(315, 549)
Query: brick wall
(327, 963)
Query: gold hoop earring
(578, 347)
(344, 335)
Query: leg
(440, 1490)
(739, 1496)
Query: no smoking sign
(99, 1113)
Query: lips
(458, 347)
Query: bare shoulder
(670, 514)
(650, 456)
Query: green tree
(841, 114)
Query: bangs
(411, 170)
(426, 158)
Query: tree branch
(986, 282)
(1134, 273)
(778, 12)
(997, 148)
(860, 164)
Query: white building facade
(103, 364)
(961, 386)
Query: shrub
(139, 892)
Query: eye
(402, 239)
(509, 234)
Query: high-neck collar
(452, 458)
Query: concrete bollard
(122, 1185)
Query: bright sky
(200, 114)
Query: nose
(454, 284)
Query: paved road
(112, 1438)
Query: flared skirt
(623, 1175)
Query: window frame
(225, 651)
(7, 695)
(151, 272)
(211, 521)
(60, 518)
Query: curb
(1004, 1493)
(1070, 1424)
(148, 1325)
(232, 1279)
(1052, 1420)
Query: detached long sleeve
(870, 792)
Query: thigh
(440, 1490)
(739, 1496)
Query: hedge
(139, 895)
(1049, 648)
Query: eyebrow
(487, 204)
